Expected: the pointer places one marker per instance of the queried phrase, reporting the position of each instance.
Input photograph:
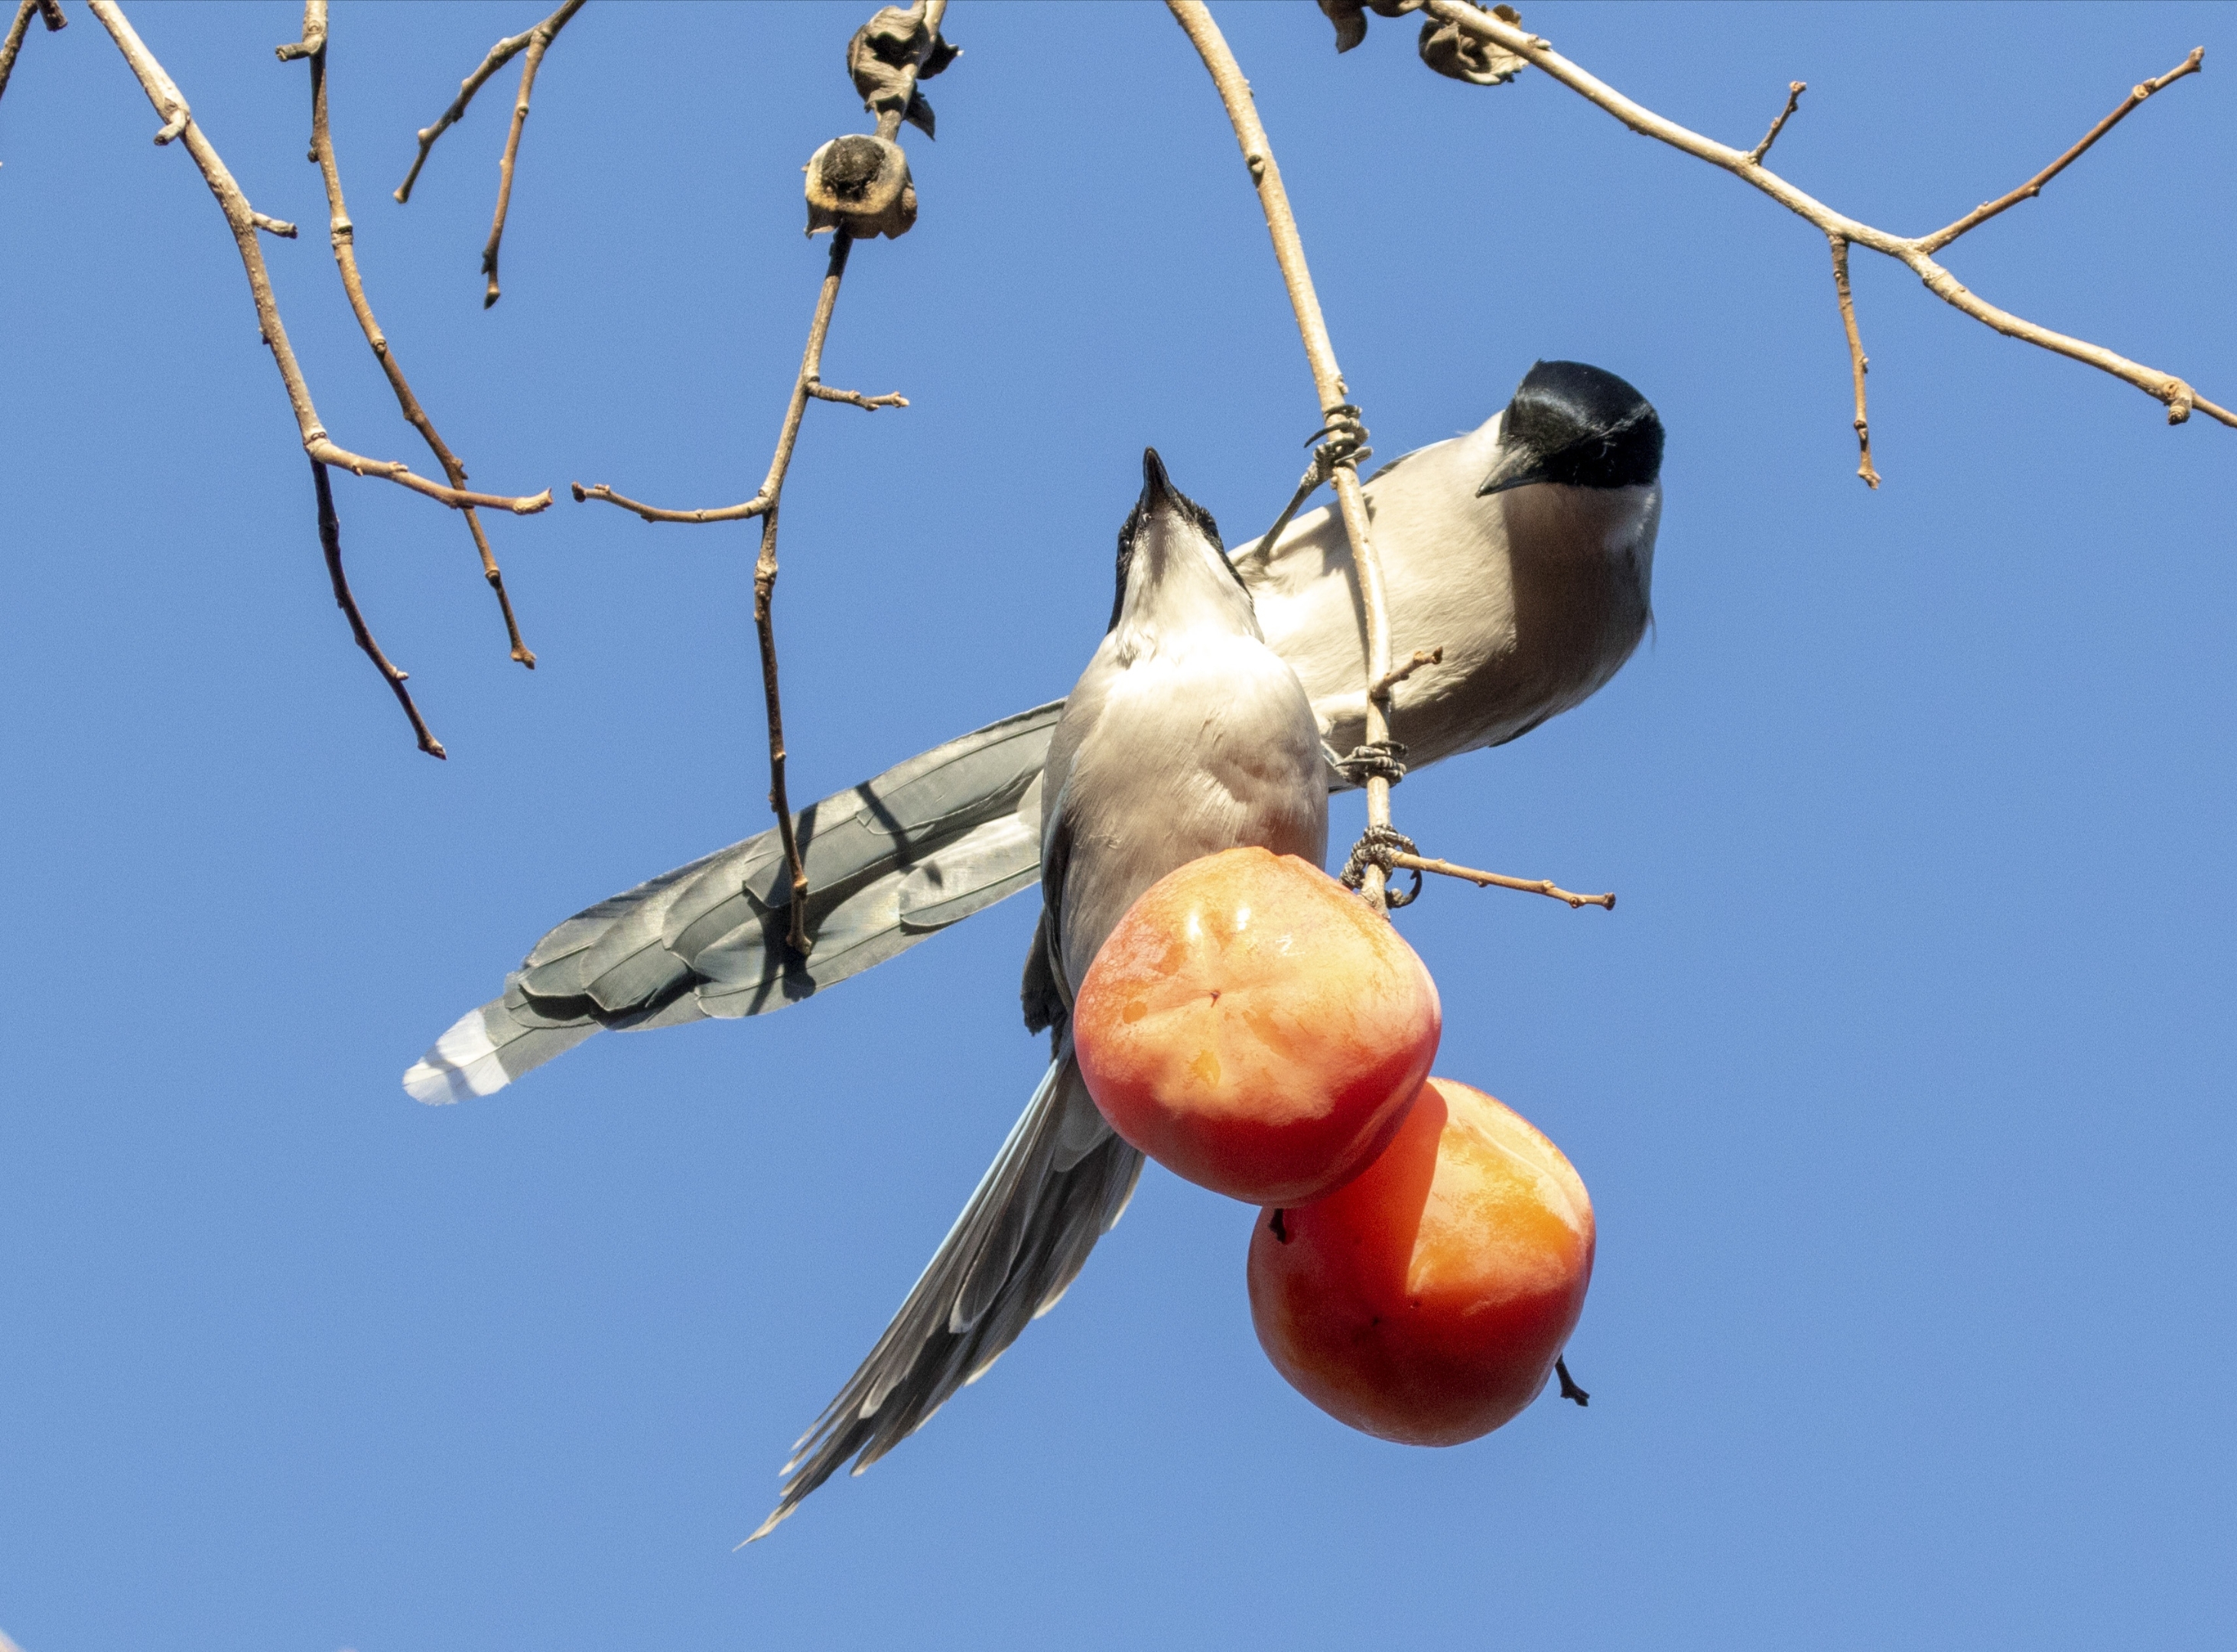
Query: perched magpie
(1185, 736)
(1524, 548)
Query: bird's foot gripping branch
(1378, 760)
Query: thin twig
(765, 572)
(1794, 90)
(330, 540)
(1528, 885)
(500, 55)
(1204, 34)
(808, 386)
(343, 235)
(48, 12)
(2033, 187)
(1858, 363)
(1915, 252)
(856, 398)
(539, 41)
(752, 507)
(240, 218)
(1398, 673)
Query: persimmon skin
(1426, 1301)
(1255, 1028)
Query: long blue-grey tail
(889, 862)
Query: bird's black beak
(1158, 491)
(1516, 467)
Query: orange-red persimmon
(1427, 1300)
(1255, 1027)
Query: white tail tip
(463, 1063)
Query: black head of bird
(1170, 551)
(1578, 426)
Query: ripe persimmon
(1255, 1027)
(1427, 1299)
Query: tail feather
(889, 861)
(1019, 1244)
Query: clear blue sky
(1900, 1076)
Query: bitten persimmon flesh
(1427, 1299)
(1255, 1027)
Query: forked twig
(343, 235)
(1915, 252)
(536, 42)
(807, 386)
(243, 221)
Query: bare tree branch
(536, 42)
(898, 97)
(2033, 187)
(1204, 34)
(241, 217)
(48, 12)
(1398, 673)
(1858, 364)
(1493, 880)
(343, 235)
(539, 41)
(330, 540)
(1915, 253)
(245, 224)
(1794, 90)
(856, 398)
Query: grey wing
(1060, 1182)
(889, 862)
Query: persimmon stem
(1569, 1389)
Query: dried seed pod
(879, 59)
(860, 183)
(1351, 20)
(1459, 56)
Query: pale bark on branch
(244, 222)
(1196, 21)
(807, 386)
(48, 12)
(343, 235)
(535, 42)
(1377, 850)
(1915, 253)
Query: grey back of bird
(1185, 736)
(1537, 595)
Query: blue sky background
(1900, 1077)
